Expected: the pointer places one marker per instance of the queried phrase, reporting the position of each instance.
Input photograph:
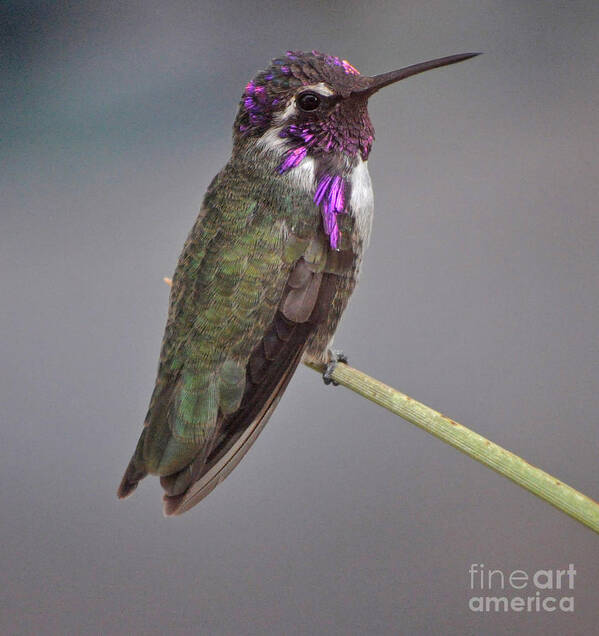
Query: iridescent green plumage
(225, 292)
(238, 268)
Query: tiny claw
(335, 356)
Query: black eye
(308, 101)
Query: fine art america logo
(520, 591)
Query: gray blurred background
(479, 297)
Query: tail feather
(207, 482)
(135, 470)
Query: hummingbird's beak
(379, 81)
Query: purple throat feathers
(330, 190)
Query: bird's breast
(361, 202)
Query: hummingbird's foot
(335, 356)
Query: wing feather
(247, 296)
(263, 392)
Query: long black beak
(379, 81)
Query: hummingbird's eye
(308, 101)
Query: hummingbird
(266, 271)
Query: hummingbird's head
(307, 101)
(314, 106)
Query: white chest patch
(361, 202)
